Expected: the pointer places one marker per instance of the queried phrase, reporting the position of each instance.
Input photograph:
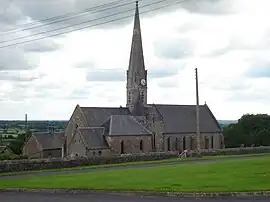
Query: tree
(249, 130)
(16, 145)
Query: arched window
(169, 143)
(212, 142)
(184, 143)
(141, 145)
(176, 144)
(192, 143)
(122, 147)
(206, 142)
(154, 140)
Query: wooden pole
(198, 136)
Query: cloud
(259, 69)
(41, 46)
(207, 35)
(213, 7)
(174, 48)
(19, 77)
(79, 94)
(16, 59)
(106, 75)
(161, 73)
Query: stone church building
(139, 127)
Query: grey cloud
(162, 73)
(37, 10)
(81, 93)
(41, 46)
(10, 14)
(177, 48)
(106, 75)
(236, 43)
(16, 59)
(213, 7)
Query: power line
(85, 11)
(90, 26)
(62, 20)
(84, 22)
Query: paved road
(37, 197)
(89, 169)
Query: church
(138, 127)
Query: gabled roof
(93, 137)
(95, 116)
(50, 141)
(123, 125)
(182, 119)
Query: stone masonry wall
(131, 144)
(39, 164)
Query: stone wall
(42, 164)
(39, 164)
(232, 151)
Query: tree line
(250, 130)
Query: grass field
(132, 163)
(231, 175)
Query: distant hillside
(224, 123)
(15, 128)
(227, 122)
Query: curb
(141, 193)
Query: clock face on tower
(143, 82)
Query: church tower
(136, 73)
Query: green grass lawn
(230, 175)
(132, 163)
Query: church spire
(136, 62)
(136, 73)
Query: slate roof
(50, 141)
(95, 116)
(182, 119)
(94, 137)
(123, 125)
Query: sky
(227, 40)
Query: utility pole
(26, 128)
(198, 136)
